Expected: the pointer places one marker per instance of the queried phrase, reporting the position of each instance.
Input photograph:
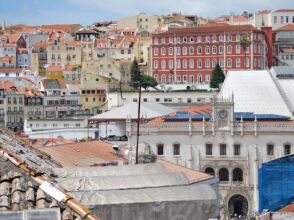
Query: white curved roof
(255, 91)
(148, 110)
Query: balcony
(15, 112)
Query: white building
(114, 122)
(274, 19)
(230, 138)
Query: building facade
(230, 145)
(184, 55)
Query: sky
(86, 12)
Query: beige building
(64, 52)
(39, 58)
(33, 108)
(141, 21)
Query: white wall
(112, 128)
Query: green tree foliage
(135, 72)
(244, 43)
(217, 77)
(137, 79)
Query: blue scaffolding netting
(276, 183)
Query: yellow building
(54, 72)
(39, 58)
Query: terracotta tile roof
(240, 18)
(40, 44)
(22, 50)
(12, 38)
(214, 24)
(285, 10)
(7, 59)
(210, 29)
(61, 27)
(54, 83)
(288, 208)
(70, 67)
(69, 155)
(73, 43)
(192, 175)
(288, 27)
(10, 70)
(54, 68)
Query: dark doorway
(238, 206)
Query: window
(163, 78)
(207, 38)
(163, 65)
(238, 37)
(207, 50)
(178, 51)
(160, 149)
(229, 62)
(199, 78)
(207, 78)
(185, 64)
(287, 149)
(157, 99)
(163, 40)
(223, 149)
(178, 40)
(191, 79)
(213, 63)
(214, 50)
(185, 39)
(214, 38)
(171, 78)
(237, 149)
(170, 51)
(199, 63)
(170, 40)
(229, 49)
(162, 51)
(208, 148)
(237, 175)
(229, 37)
(171, 64)
(191, 39)
(270, 149)
(209, 171)
(238, 62)
(221, 49)
(184, 50)
(207, 63)
(247, 63)
(199, 39)
(238, 49)
(184, 78)
(282, 19)
(155, 64)
(155, 40)
(275, 19)
(223, 174)
(176, 149)
(191, 50)
(199, 50)
(221, 38)
(155, 51)
(178, 64)
(191, 64)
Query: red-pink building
(188, 55)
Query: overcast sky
(88, 11)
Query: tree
(148, 81)
(135, 72)
(245, 43)
(217, 77)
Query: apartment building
(184, 55)
(39, 58)
(33, 106)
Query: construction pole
(138, 125)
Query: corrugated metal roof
(254, 91)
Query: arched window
(170, 51)
(199, 50)
(184, 50)
(191, 39)
(238, 175)
(209, 171)
(162, 51)
(191, 50)
(199, 78)
(185, 39)
(223, 174)
(207, 50)
(171, 64)
(160, 149)
(229, 49)
(238, 62)
(178, 51)
(185, 64)
(191, 64)
(214, 50)
(155, 51)
(163, 64)
(221, 49)
(155, 64)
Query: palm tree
(245, 43)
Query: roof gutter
(49, 188)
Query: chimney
(3, 24)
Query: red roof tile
(288, 27)
(54, 68)
(285, 10)
(288, 208)
(70, 154)
(210, 29)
